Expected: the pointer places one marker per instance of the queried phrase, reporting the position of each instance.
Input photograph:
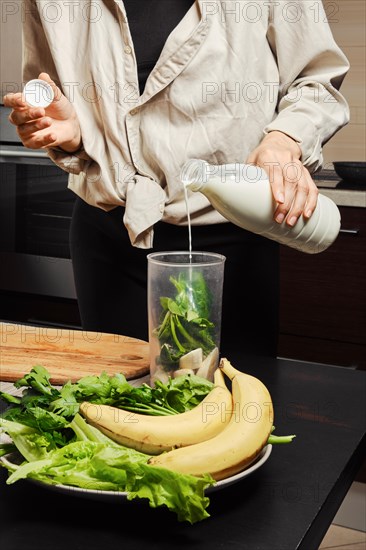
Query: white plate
(259, 461)
(113, 495)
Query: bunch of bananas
(221, 436)
(155, 434)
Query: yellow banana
(155, 434)
(235, 447)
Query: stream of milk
(189, 224)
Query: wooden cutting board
(69, 354)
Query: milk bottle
(243, 195)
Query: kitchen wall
(347, 19)
(10, 46)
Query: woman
(141, 87)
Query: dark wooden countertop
(288, 504)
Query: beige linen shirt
(228, 73)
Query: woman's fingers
(14, 101)
(31, 123)
(312, 197)
(54, 126)
(20, 118)
(56, 90)
(21, 112)
(277, 180)
(26, 130)
(37, 134)
(295, 191)
(301, 195)
(40, 140)
(292, 185)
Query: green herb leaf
(185, 323)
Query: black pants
(111, 278)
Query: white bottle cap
(38, 93)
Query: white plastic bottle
(243, 195)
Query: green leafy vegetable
(183, 393)
(185, 323)
(93, 461)
(47, 407)
(58, 446)
(39, 379)
(49, 410)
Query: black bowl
(351, 172)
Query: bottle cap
(38, 93)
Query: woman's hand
(292, 186)
(54, 126)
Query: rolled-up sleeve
(311, 70)
(74, 163)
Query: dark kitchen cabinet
(36, 309)
(36, 279)
(323, 298)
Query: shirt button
(161, 207)
(127, 49)
(134, 112)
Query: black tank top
(151, 21)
